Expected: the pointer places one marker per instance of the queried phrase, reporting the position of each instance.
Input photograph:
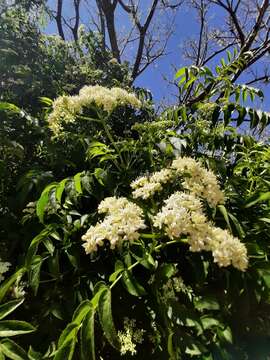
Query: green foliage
(34, 65)
(184, 305)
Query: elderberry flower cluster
(65, 108)
(122, 222)
(182, 214)
(130, 337)
(197, 180)
(144, 187)
(4, 267)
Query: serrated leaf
(4, 288)
(224, 212)
(35, 243)
(9, 307)
(225, 335)
(106, 318)
(165, 272)
(60, 189)
(81, 311)
(67, 350)
(69, 333)
(15, 327)
(43, 201)
(12, 350)
(77, 183)
(34, 273)
(88, 336)
(132, 285)
(98, 289)
(180, 72)
(34, 355)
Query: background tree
(143, 38)
(239, 25)
(33, 64)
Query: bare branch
(58, 18)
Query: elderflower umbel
(197, 180)
(201, 182)
(122, 222)
(182, 215)
(228, 250)
(65, 108)
(4, 267)
(130, 337)
(144, 187)
(179, 215)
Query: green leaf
(206, 303)
(237, 225)
(35, 243)
(115, 275)
(12, 350)
(9, 307)
(267, 220)
(77, 183)
(132, 285)
(119, 268)
(193, 349)
(43, 201)
(5, 106)
(68, 334)
(2, 356)
(15, 327)
(180, 72)
(106, 319)
(100, 175)
(263, 197)
(4, 288)
(170, 347)
(34, 273)
(224, 212)
(263, 270)
(98, 289)
(34, 355)
(88, 336)
(67, 350)
(225, 334)
(209, 322)
(81, 311)
(60, 189)
(165, 272)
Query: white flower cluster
(197, 180)
(4, 267)
(65, 108)
(122, 221)
(182, 214)
(228, 250)
(145, 186)
(130, 337)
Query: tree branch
(58, 18)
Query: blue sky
(186, 25)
